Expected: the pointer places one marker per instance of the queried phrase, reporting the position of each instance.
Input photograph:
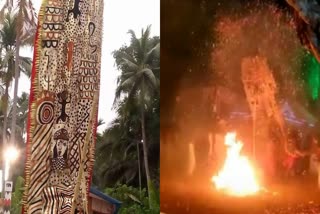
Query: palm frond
(148, 73)
(131, 66)
(126, 75)
(26, 65)
(130, 81)
(134, 90)
(127, 150)
(144, 42)
(136, 45)
(133, 37)
(154, 51)
(8, 31)
(5, 8)
(100, 122)
(125, 56)
(7, 57)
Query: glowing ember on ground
(237, 176)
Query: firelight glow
(237, 176)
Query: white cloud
(119, 17)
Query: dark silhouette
(76, 11)
(63, 100)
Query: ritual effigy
(63, 106)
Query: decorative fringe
(32, 108)
(95, 127)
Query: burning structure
(237, 176)
(257, 57)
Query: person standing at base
(294, 154)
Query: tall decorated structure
(63, 106)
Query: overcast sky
(119, 17)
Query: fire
(237, 176)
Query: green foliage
(8, 31)
(17, 196)
(139, 83)
(116, 153)
(139, 65)
(137, 101)
(133, 201)
(8, 64)
(155, 199)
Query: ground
(299, 195)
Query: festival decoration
(63, 106)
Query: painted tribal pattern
(63, 106)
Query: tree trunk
(145, 155)
(15, 96)
(4, 130)
(5, 117)
(139, 166)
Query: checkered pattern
(58, 163)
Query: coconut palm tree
(118, 147)
(20, 127)
(138, 82)
(118, 143)
(22, 112)
(25, 28)
(8, 64)
(22, 115)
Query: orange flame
(237, 176)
